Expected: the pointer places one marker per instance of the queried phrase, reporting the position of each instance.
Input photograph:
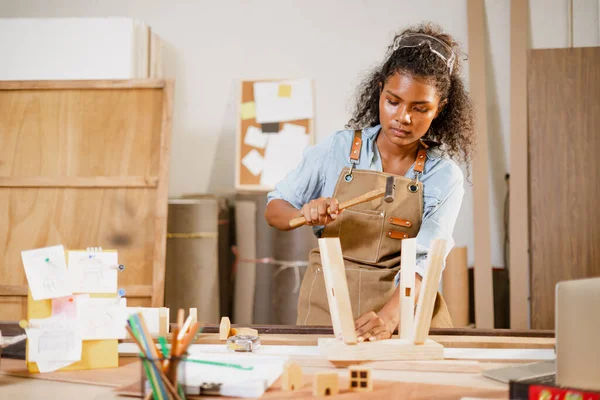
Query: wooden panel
(84, 167)
(518, 262)
(84, 84)
(564, 121)
(484, 298)
(80, 133)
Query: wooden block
(336, 285)
(407, 288)
(224, 328)
(194, 314)
(326, 384)
(291, 379)
(243, 331)
(163, 321)
(382, 350)
(360, 378)
(431, 280)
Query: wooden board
(564, 121)
(338, 297)
(85, 167)
(518, 261)
(390, 349)
(244, 179)
(455, 283)
(407, 288)
(484, 297)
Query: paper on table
(93, 272)
(46, 271)
(234, 382)
(283, 154)
(102, 318)
(54, 339)
(270, 107)
(248, 110)
(255, 137)
(254, 162)
(151, 317)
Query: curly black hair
(453, 128)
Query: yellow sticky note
(248, 110)
(285, 90)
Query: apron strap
(356, 146)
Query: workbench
(467, 353)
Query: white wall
(211, 45)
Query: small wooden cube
(163, 323)
(243, 331)
(360, 379)
(326, 384)
(224, 328)
(291, 379)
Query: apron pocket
(360, 234)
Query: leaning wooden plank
(162, 196)
(390, 349)
(431, 280)
(79, 181)
(484, 294)
(407, 288)
(336, 285)
(84, 84)
(518, 205)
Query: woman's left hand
(373, 326)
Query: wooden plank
(564, 116)
(518, 262)
(428, 293)
(455, 366)
(328, 330)
(130, 290)
(381, 350)
(455, 285)
(334, 273)
(84, 84)
(407, 288)
(78, 182)
(484, 298)
(162, 196)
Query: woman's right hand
(315, 212)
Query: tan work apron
(371, 236)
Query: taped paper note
(294, 129)
(46, 271)
(285, 90)
(270, 107)
(102, 318)
(68, 305)
(248, 110)
(283, 154)
(254, 162)
(255, 137)
(54, 339)
(93, 272)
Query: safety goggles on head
(438, 47)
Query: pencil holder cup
(162, 377)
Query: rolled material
(192, 263)
(455, 284)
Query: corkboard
(85, 163)
(245, 180)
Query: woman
(413, 120)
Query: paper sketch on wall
(46, 271)
(93, 271)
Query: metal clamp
(243, 343)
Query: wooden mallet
(386, 192)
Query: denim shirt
(318, 172)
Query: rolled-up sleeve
(306, 181)
(438, 223)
